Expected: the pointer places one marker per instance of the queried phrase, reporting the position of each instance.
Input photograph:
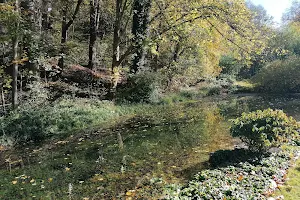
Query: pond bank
(251, 179)
(136, 154)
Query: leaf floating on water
(241, 177)
(130, 192)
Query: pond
(137, 157)
(176, 142)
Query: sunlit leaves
(205, 30)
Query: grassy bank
(291, 189)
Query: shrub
(58, 119)
(280, 76)
(139, 88)
(261, 130)
(217, 86)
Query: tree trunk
(64, 30)
(140, 31)
(116, 49)
(44, 23)
(3, 99)
(94, 20)
(15, 63)
(64, 33)
(117, 39)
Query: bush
(280, 76)
(217, 86)
(59, 119)
(139, 88)
(261, 130)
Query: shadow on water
(172, 146)
(178, 143)
(172, 143)
(224, 158)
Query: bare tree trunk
(15, 64)
(64, 30)
(116, 48)
(44, 16)
(117, 39)
(140, 31)
(3, 100)
(64, 34)
(15, 74)
(94, 21)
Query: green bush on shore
(261, 130)
(280, 76)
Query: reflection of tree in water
(235, 106)
(216, 129)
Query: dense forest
(95, 48)
(104, 74)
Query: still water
(138, 157)
(175, 142)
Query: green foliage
(261, 130)
(280, 76)
(292, 38)
(139, 88)
(5, 79)
(246, 180)
(217, 86)
(230, 65)
(58, 119)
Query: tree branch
(74, 14)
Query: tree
(65, 25)
(15, 43)
(293, 13)
(192, 37)
(94, 24)
(140, 24)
